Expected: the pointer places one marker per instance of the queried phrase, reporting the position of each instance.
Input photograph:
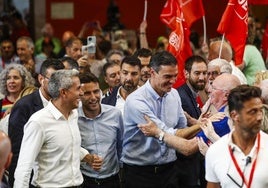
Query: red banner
(192, 10)
(234, 26)
(264, 45)
(179, 17)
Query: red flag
(179, 42)
(234, 26)
(258, 2)
(192, 10)
(169, 12)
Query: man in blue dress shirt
(149, 162)
(101, 129)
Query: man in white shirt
(239, 159)
(51, 137)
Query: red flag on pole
(234, 26)
(192, 10)
(173, 15)
(258, 2)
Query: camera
(91, 44)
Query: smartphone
(91, 44)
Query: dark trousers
(191, 171)
(110, 182)
(155, 176)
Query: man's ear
(234, 115)
(40, 79)
(186, 74)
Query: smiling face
(74, 93)
(14, 82)
(24, 51)
(91, 98)
(163, 80)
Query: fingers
(147, 119)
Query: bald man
(5, 155)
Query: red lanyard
(248, 184)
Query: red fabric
(264, 44)
(258, 2)
(192, 10)
(234, 26)
(179, 42)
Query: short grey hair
(28, 40)
(224, 65)
(61, 79)
(27, 79)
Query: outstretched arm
(186, 147)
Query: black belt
(151, 168)
(98, 181)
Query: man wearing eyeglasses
(219, 91)
(239, 159)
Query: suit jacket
(188, 101)
(189, 167)
(111, 99)
(20, 114)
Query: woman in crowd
(13, 79)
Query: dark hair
(131, 60)
(72, 63)
(88, 77)
(105, 46)
(70, 42)
(162, 58)
(191, 60)
(51, 63)
(108, 65)
(143, 52)
(241, 94)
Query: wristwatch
(161, 135)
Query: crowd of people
(73, 118)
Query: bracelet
(142, 33)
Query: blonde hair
(260, 76)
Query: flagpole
(222, 40)
(145, 10)
(205, 30)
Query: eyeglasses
(213, 73)
(46, 77)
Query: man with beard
(239, 159)
(101, 129)
(129, 79)
(144, 55)
(190, 167)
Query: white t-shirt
(219, 163)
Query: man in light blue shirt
(149, 162)
(101, 129)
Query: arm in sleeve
(32, 142)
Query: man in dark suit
(196, 76)
(25, 107)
